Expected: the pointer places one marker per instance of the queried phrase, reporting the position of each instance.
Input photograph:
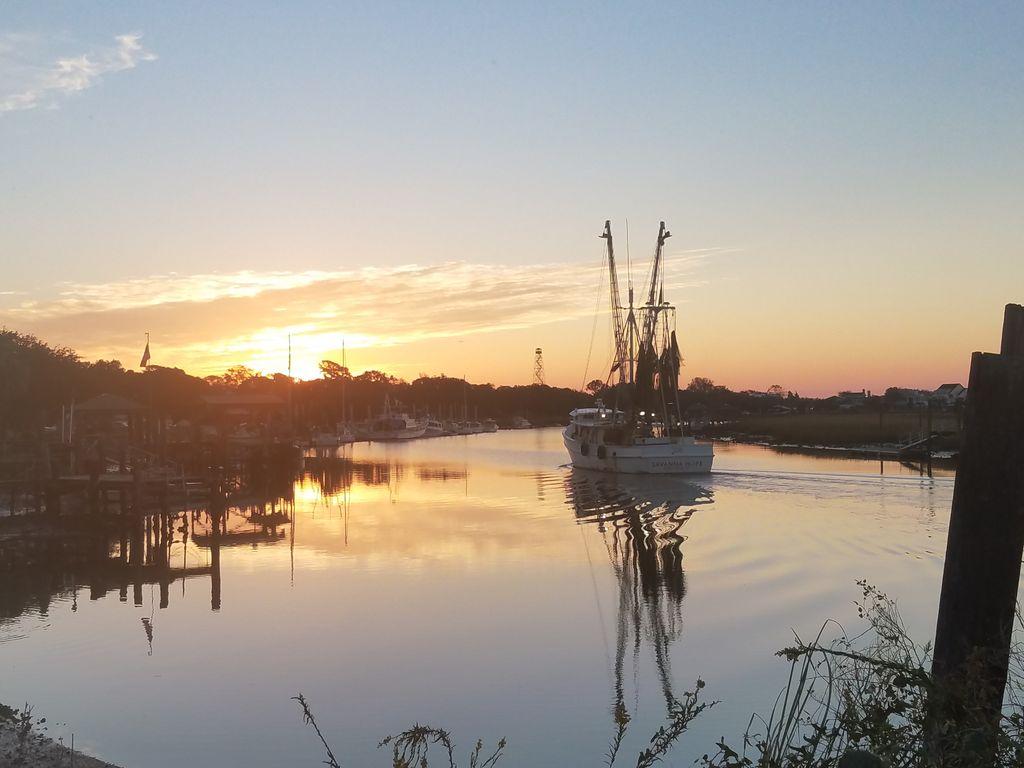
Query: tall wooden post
(986, 538)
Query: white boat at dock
(342, 435)
(394, 426)
(643, 431)
(435, 429)
(391, 426)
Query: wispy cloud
(45, 85)
(208, 322)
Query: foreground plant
(26, 745)
(411, 748)
(865, 701)
(871, 700)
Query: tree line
(37, 379)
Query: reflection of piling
(217, 510)
(986, 539)
(166, 539)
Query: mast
(291, 382)
(651, 317)
(620, 341)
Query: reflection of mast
(291, 549)
(642, 535)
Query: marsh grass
(841, 429)
(871, 699)
(867, 699)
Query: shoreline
(884, 452)
(35, 748)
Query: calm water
(474, 583)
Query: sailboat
(641, 431)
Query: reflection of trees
(640, 521)
(333, 474)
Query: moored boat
(435, 428)
(393, 426)
(342, 435)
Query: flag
(145, 356)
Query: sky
(425, 182)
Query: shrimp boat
(641, 431)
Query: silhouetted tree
(701, 384)
(334, 371)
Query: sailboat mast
(616, 304)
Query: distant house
(851, 401)
(949, 394)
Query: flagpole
(291, 406)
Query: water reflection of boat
(640, 520)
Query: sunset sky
(426, 181)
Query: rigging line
(593, 327)
(597, 601)
(629, 261)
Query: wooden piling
(1013, 331)
(985, 541)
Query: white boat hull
(396, 434)
(654, 456)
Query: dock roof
(108, 403)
